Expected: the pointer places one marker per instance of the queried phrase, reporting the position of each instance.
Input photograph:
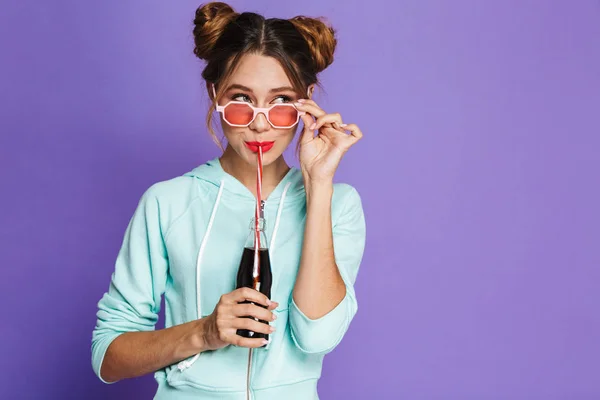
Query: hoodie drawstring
(185, 364)
(188, 363)
(276, 228)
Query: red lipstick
(253, 146)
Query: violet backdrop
(479, 173)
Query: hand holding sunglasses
(320, 155)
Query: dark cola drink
(255, 272)
(262, 284)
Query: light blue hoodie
(185, 241)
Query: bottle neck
(261, 213)
(258, 227)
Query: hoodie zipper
(250, 351)
(249, 369)
(248, 393)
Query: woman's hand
(320, 155)
(228, 317)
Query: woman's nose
(260, 123)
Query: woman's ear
(210, 88)
(309, 91)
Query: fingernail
(265, 341)
(301, 100)
(272, 329)
(298, 103)
(269, 302)
(342, 125)
(313, 126)
(274, 317)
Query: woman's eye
(283, 99)
(241, 97)
(246, 98)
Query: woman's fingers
(307, 133)
(252, 310)
(250, 343)
(332, 119)
(322, 118)
(236, 310)
(247, 294)
(355, 131)
(237, 318)
(310, 107)
(253, 325)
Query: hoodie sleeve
(322, 335)
(133, 299)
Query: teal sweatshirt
(185, 241)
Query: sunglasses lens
(238, 114)
(283, 116)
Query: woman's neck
(273, 173)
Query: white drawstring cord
(188, 363)
(275, 229)
(277, 219)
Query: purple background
(479, 173)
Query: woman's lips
(253, 146)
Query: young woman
(186, 237)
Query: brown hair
(304, 46)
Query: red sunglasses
(241, 113)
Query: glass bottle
(255, 268)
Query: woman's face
(260, 81)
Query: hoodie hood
(213, 173)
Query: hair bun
(320, 38)
(210, 21)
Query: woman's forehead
(259, 73)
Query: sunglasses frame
(257, 110)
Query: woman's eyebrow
(247, 89)
(281, 89)
(238, 86)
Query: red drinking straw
(259, 172)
